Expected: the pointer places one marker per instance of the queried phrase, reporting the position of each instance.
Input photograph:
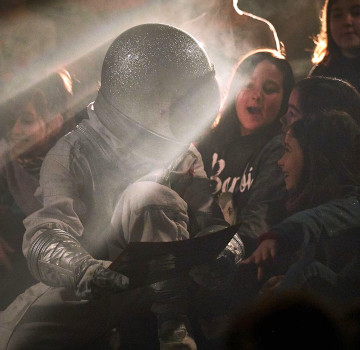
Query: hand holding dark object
(57, 259)
(219, 273)
(98, 281)
(263, 255)
(5, 250)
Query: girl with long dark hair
(322, 175)
(337, 50)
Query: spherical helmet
(160, 78)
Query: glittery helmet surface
(160, 77)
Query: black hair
(330, 142)
(229, 125)
(318, 94)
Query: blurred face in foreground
(29, 134)
(292, 162)
(258, 102)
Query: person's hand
(263, 255)
(5, 250)
(99, 281)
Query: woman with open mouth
(240, 153)
(240, 156)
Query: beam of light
(92, 44)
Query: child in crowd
(240, 156)
(322, 174)
(240, 153)
(37, 117)
(337, 51)
(316, 94)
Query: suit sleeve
(59, 190)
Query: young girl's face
(344, 25)
(258, 102)
(28, 135)
(293, 112)
(292, 162)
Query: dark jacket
(247, 167)
(342, 68)
(331, 231)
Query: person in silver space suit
(127, 173)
